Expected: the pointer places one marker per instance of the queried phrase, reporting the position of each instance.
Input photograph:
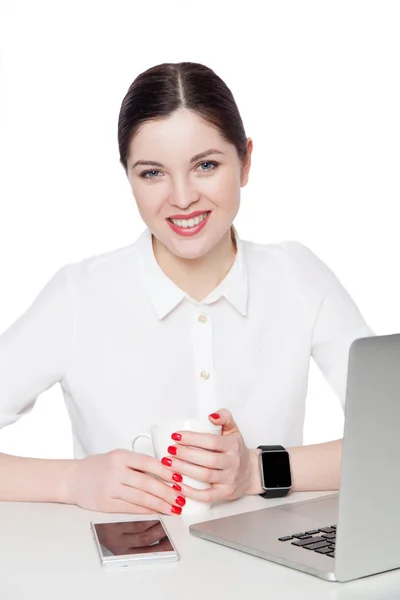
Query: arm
(32, 479)
(315, 467)
(334, 319)
(34, 355)
(336, 322)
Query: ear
(244, 176)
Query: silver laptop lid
(369, 501)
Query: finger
(196, 472)
(141, 498)
(148, 484)
(145, 463)
(216, 493)
(225, 419)
(208, 441)
(198, 456)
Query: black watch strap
(274, 494)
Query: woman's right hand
(122, 481)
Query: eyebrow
(154, 163)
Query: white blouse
(130, 349)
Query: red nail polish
(215, 416)
(166, 461)
(172, 450)
(180, 500)
(176, 510)
(177, 487)
(177, 477)
(176, 436)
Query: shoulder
(102, 268)
(296, 258)
(289, 250)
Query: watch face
(276, 469)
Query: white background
(317, 85)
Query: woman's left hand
(223, 460)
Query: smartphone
(129, 543)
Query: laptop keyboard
(317, 540)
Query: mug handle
(148, 436)
(139, 435)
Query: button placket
(203, 362)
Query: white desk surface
(47, 553)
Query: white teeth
(184, 223)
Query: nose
(183, 194)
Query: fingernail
(177, 487)
(176, 436)
(180, 500)
(177, 477)
(166, 461)
(172, 450)
(215, 416)
(176, 510)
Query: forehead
(183, 133)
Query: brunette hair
(161, 90)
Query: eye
(210, 163)
(151, 174)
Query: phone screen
(132, 537)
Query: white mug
(160, 436)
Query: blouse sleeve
(35, 349)
(335, 319)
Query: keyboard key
(312, 531)
(330, 554)
(329, 536)
(286, 538)
(310, 540)
(324, 550)
(298, 535)
(301, 536)
(327, 529)
(317, 545)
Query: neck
(198, 277)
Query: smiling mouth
(185, 223)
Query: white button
(204, 374)
(202, 318)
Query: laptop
(355, 532)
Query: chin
(189, 249)
(192, 247)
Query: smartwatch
(276, 478)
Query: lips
(189, 221)
(196, 213)
(189, 227)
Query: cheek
(149, 199)
(227, 192)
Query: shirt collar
(165, 295)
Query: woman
(186, 319)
